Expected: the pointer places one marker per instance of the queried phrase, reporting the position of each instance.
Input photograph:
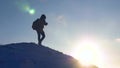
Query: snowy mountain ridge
(31, 55)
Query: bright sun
(87, 51)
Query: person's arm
(45, 23)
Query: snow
(31, 55)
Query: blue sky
(69, 21)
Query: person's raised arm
(45, 23)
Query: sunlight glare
(86, 50)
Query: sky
(70, 24)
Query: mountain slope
(30, 55)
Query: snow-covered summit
(30, 55)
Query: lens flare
(29, 10)
(32, 11)
(25, 7)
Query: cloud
(117, 40)
(61, 20)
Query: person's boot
(39, 43)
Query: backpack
(35, 24)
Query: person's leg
(39, 41)
(43, 36)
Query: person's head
(43, 16)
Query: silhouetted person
(38, 25)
